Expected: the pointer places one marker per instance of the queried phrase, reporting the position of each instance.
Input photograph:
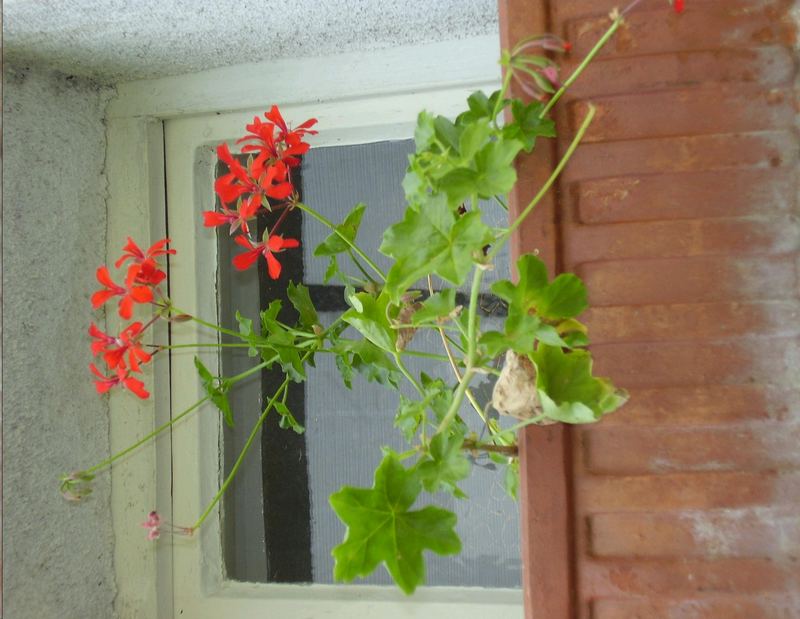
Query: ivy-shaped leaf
(287, 419)
(432, 240)
(445, 465)
(527, 125)
(334, 243)
(366, 359)
(368, 316)
(301, 300)
(382, 528)
(217, 390)
(564, 297)
(567, 390)
(247, 334)
(438, 306)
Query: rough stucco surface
(119, 40)
(57, 556)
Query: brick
(632, 451)
(760, 532)
(700, 279)
(687, 491)
(691, 321)
(770, 66)
(692, 111)
(667, 239)
(565, 11)
(766, 149)
(706, 405)
(686, 195)
(736, 607)
(670, 364)
(687, 577)
(657, 31)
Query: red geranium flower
(274, 244)
(237, 219)
(286, 146)
(258, 180)
(678, 5)
(130, 294)
(102, 340)
(133, 252)
(127, 344)
(120, 377)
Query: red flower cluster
(275, 151)
(124, 354)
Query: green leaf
(527, 124)
(368, 316)
(473, 137)
(511, 479)
(424, 132)
(567, 390)
(446, 132)
(564, 297)
(248, 335)
(278, 341)
(382, 528)
(432, 240)
(334, 243)
(217, 390)
(496, 174)
(368, 360)
(287, 419)
(445, 465)
(301, 299)
(436, 307)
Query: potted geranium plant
(546, 374)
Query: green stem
(360, 267)
(142, 441)
(198, 345)
(242, 454)
(497, 104)
(327, 222)
(253, 432)
(399, 362)
(527, 422)
(200, 321)
(576, 73)
(546, 187)
(472, 327)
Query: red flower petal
(101, 296)
(126, 307)
(136, 387)
(678, 6)
(104, 278)
(245, 261)
(273, 266)
(141, 294)
(281, 191)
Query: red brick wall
(680, 212)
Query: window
(161, 134)
(295, 474)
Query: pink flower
(153, 526)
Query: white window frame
(166, 130)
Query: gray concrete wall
(57, 556)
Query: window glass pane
(343, 427)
